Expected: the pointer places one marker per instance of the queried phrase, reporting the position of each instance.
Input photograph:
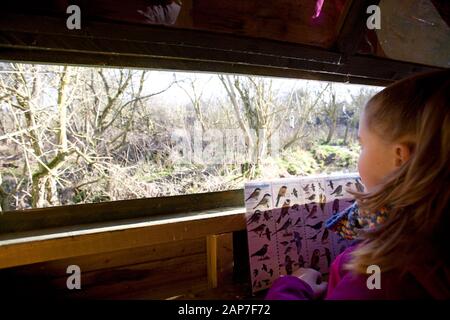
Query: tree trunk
(38, 193)
(4, 197)
(331, 130)
(346, 132)
(51, 191)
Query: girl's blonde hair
(415, 111)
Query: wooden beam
(158, 279)
(92, 59)
(46, 40)
(354, 26)
(225, 256)
(115, 259)
(62, 244)
(211, 257)
(219, 255)
(82, 214)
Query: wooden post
(219, 255)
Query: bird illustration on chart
(314, 237)
(316, 226)
(267, 215)
(312, 212)
(324, 238)
(306, 188)
(312, 197)
(254, 218)
(254, 195)
(315, 258)
(264, 201)
(267, 233)
(306, 207)
(330, 183)
(287, 250)
(338, 191)
(284, 210)
(259, 229)
(322, 202)
(285, 243)
(288, 264)
(320, 186)
(285, 226)
(301, 261)
(327, 255)
(261, 253)
(335, 207)
(281, 193)
(298, 241)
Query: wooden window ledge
(58, 243)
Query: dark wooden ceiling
(235, 44)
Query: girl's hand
(314, 279)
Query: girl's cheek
(360, 159)
(362, 165)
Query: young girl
(402, 222)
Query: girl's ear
(403, 152)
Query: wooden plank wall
(174, 269)
(199, 268)
(186, 254)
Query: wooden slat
(104, 60)
(127, 267)
(354, 26)
(283, 20)
(115, 259)
(224, 258)
(41, 32)
(211, 258)
(156, 47)
(219, 251)
(145, 276)
(70, 215)
(151, 272)
(181, 290)
(158, 279)
(85, 241)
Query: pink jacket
(343, 285)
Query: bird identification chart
(286, 224)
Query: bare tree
(304, 106)
(331, 109)
(82, 117)
(23, 86)
(256, 109)
(192, 89)
(358, 101)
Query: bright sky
(212, 87)
(158, 80)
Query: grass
(336, 157)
